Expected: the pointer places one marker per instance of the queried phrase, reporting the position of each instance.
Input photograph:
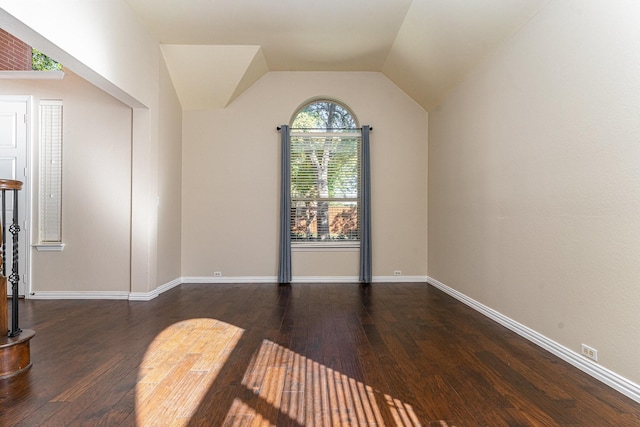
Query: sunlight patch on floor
(179, 368)
(278, 386)
(332, 397)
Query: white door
(13, 165)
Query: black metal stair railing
(14, 229)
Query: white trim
(28, 193)
(400, 279)
(79, 295)
(25, 258)
(32, 75)
(610, 378)
(49, 247)
(122, 295)
(143, 296)
(324, 279)
(230, 279)
(148, 296)
(301, 279)
(50, 173)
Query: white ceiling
(215, 49)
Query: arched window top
(323, 115)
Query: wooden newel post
(15, 354)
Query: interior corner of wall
(254, 71)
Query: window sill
(49, 247)
(325, 247)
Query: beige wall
(126, 64)
(231, 178)
(169, 182)
(534, 184)
(96, 188)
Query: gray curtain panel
(284, 261)
(365, 227)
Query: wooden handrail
(10, 184)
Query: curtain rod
(325, 129)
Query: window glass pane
(307, 221)
(324, 167)
(324, 115)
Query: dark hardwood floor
(299, 355)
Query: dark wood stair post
(15, 354)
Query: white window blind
(325, 179)
(50, 217)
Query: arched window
(325, 175)
(324, 115)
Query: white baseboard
(79, 295)
(121, 295)
(301, 279)
(230, 279)
(148, 296)
(324, 279)
(610, 378)
(400, 279)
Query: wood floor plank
(310, 354)
(161, 399)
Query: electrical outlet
(397, 273)
(589, 352)
(217, 274)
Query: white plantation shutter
(50, 218)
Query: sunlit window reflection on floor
(178, 369)
(276, 385)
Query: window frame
(347, 245)
(51, 139)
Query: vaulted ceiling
(215, 49)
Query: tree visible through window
(325, 174)
(41, 62)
